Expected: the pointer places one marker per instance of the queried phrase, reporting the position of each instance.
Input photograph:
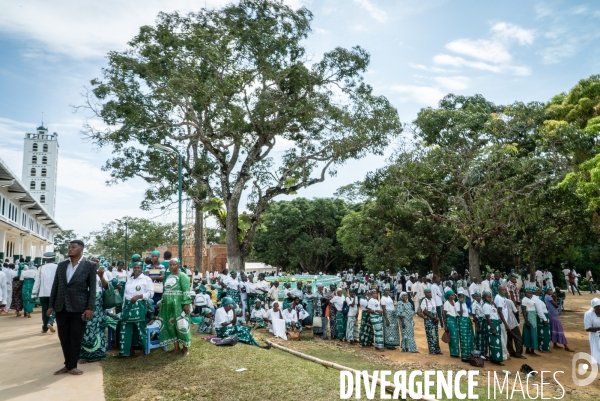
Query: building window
(32, 185)
(45, 147)
(33, 172)
(44, 160)
(43, 199)
(43, 172)
(35, 147)
(34, 160)
(43, 186)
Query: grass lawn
(209, 372)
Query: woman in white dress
(591, 322)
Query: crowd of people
(477, 319)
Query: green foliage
(223, 87)
(300, 235)
(61, 241)
(142, 235)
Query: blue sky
(420, 51)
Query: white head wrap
(595, 302)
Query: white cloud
(554, 54)
(426, 95)
(455, 61)
(321, 31)
(375, 12)
(85, 29)
(579, 10)
(456, 83)
(509, 31)
(425, 68)
(482, 49)
(543, 10)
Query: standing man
(438, 297)
(525, 277)
(590, 280)
(156, 271)
(73, 296)
(573, 282)
(513, 294)
(43, 287)
(10, 274)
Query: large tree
(489, 157)
(236, 86)
(138, 236)
(300, 235)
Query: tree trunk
(474, 267)
(435, 265)
(199, 241)
(531, 269)
(235, 259)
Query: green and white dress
(174, 323)
(465, 329)
(496, 352)
(452, 327)
(93, 346)
(391, 333)
(133, 315)
(406, 311)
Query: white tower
(40, 161)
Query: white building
(40, 162)
(27, 225)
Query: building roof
(41, 128)
(16, 187)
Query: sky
(420, 51)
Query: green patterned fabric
(377, 323)
(495, 341)
(391, 333)
(133, 326)
(341, 323)
(28, 303)
(406, 311)
(543, 333)
(481, 338)
(530, 335)
(93, 346)
(465, 328)
(119, 307)
(365, 337)
(433, 340)
(297, 326)
(454, 335)
(242, 332)
(351, 328)
(173, 326)
(235, 295)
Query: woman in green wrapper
(288, 298)
(174, 313)
(530, 335)
(376, 317)
(451, 324)
(17, 293)
(481, 325)
(309, 301)
(543, 322)
(365, 335)
(465, 327)
(226, 324)
(93, 346)
(391, 332)
(121, 276)
(28, 278)
(430, 319)
(494, 331)
(139, 289)
(405, 312)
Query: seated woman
(303, 316)
(206, 327)
(258, 315)
(226, 324)
(291, 319)
(272, 314)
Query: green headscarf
(448, 293)
(227, 301)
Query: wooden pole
(341, 367)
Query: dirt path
(28, 360)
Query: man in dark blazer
(73, 298)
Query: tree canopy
(234, 91)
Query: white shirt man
(548, 278)
(43, 281)
(485, 286)
(539, 277)
(566, 272)
(473, 288)
(290, 316)
(3, 290)
(416, 294)
(436, 295)
(10, 274)
(142, 285)
(272, 294)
